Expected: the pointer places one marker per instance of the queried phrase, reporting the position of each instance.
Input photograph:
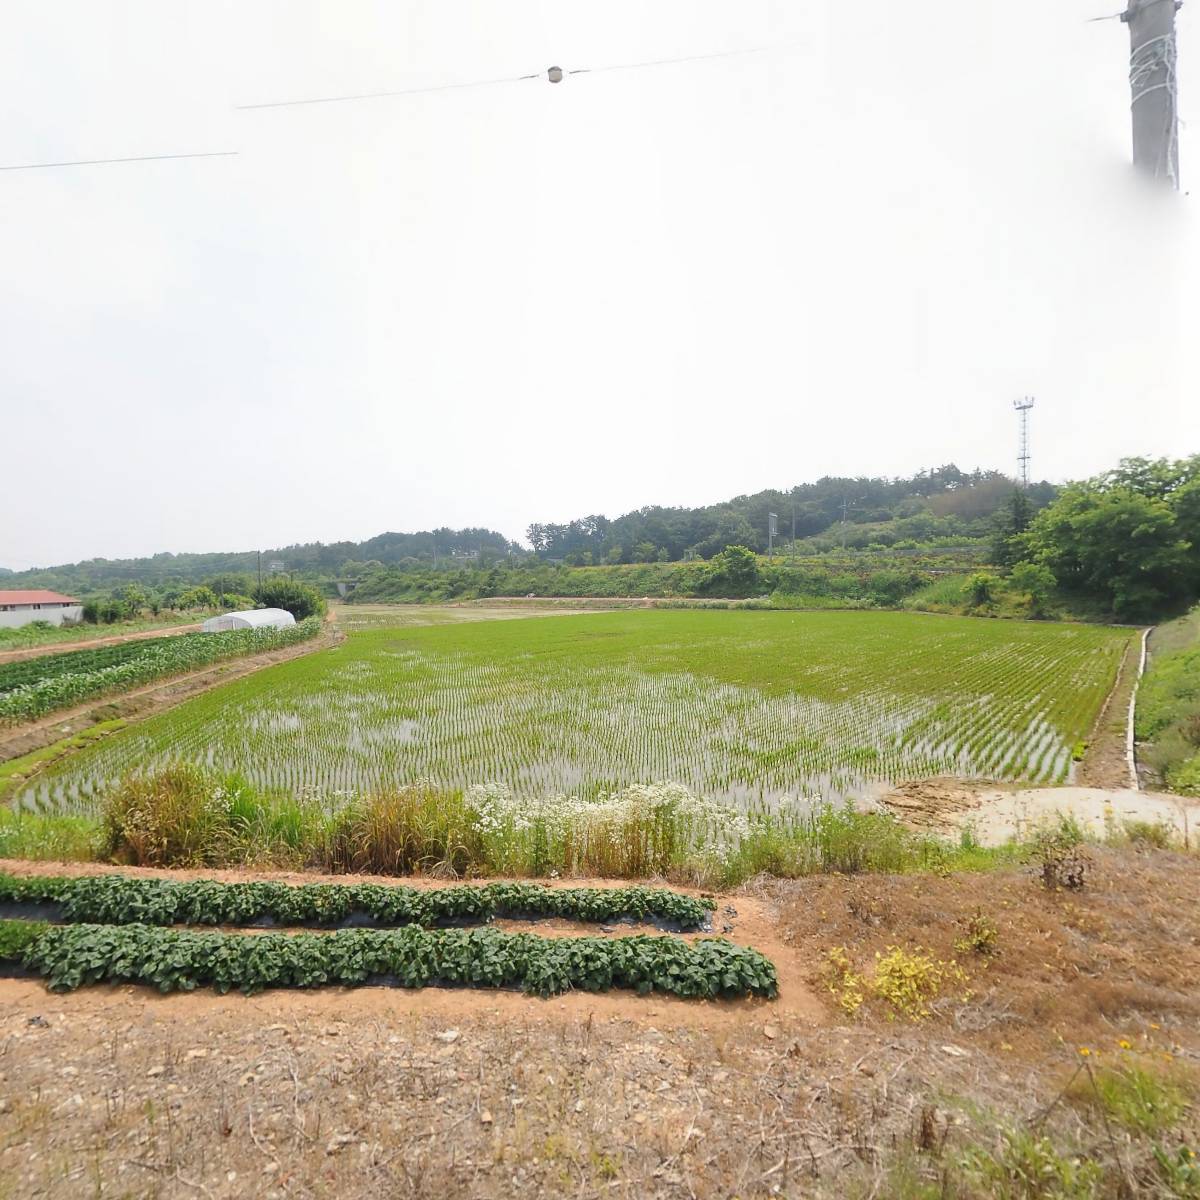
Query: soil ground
(996, 813)
(378, 1092)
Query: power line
(554, 74)
(93, 162)
(442, 87)
(663, 62)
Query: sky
(847, 252)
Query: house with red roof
(22, 607)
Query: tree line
(941, 505)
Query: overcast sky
(491, 306)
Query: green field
(743, 706)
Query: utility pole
(1154, 87)
(260, 570)
(793, 531)
(772, 530)
(847, 506)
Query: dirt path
(94, 643)
(153, 698)
(1104, 762)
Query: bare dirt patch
(996, 813)
(375, 1092)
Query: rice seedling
(747, 708)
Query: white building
(254, 618)
(20, 608)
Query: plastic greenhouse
(255, 618)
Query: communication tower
(1023, 406)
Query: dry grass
(403, 831)
(346, 1095)
(171, 818)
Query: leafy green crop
(69, 956)
(36, 686)
(120, 900)
(17, 936)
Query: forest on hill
(940, 506)
(943, 505)
(1123, 544)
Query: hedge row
(65, 679)
(68, 956)
(119, 900)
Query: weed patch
(1134, 1097)
(905, 981)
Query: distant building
(21, 608)
(254, 618)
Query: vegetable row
(57, 681)
(121, 900)
(69, 956)
(73, 662)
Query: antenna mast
(1023, 406)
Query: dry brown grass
(170, 818)
(403, 831)
(330, 1094)
(1068, 965)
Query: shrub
(981, 937)
(297, 598)
(1058, 850)
(1035, 583)
(905, 980)
(981, 589)
(908, 979)
(847, 987)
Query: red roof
(38, 596)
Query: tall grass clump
(173, 817)
(1137, 1098)
(640, 831)
(186, 816)
(826, 838)
(420, 829)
